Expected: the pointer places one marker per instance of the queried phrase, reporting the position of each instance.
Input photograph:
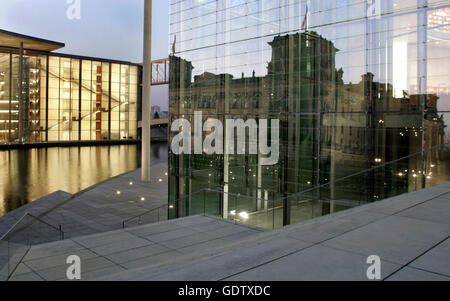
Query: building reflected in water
(351, 94)
(27, 175)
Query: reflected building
(51, 97)
(352, 90)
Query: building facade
(65, 98)
(355, 85)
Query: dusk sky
(110, 29)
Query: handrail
(157, 208)
(180, 199)
(34, 217)
(364, 171)
(238, 195)
(86, 87)
(142, 214)
(13, 237)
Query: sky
(111, 29)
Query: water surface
(27, 175)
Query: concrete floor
(410, 233)
(155, 245)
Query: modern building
(355, 85)
(51, 97)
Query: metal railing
(407, 174)
(426, 168)
(151, 216)
(16, 243)
(404, 175)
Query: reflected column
(21, 105)
(422, 69)
(226, 111)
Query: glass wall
(74, 99)
(5, 92)
(355, 85)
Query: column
(146, 92)
(21, 105)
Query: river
(27, 175)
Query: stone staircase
(154, 246)
(409, 232)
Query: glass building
(50, 97)
(358, 86)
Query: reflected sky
(393, 46)
(107, 29)
(27, 175)
(110, 29)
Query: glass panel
(27, 232)
(6, 102)
(354, 84)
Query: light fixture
(243, 215)
(118, 192)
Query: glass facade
(67, 98)
(355, 84)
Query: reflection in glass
(354, 87)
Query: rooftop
(12, 39)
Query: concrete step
(155, 246)
(412, 229)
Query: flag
(174, 44)
(305, 24)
